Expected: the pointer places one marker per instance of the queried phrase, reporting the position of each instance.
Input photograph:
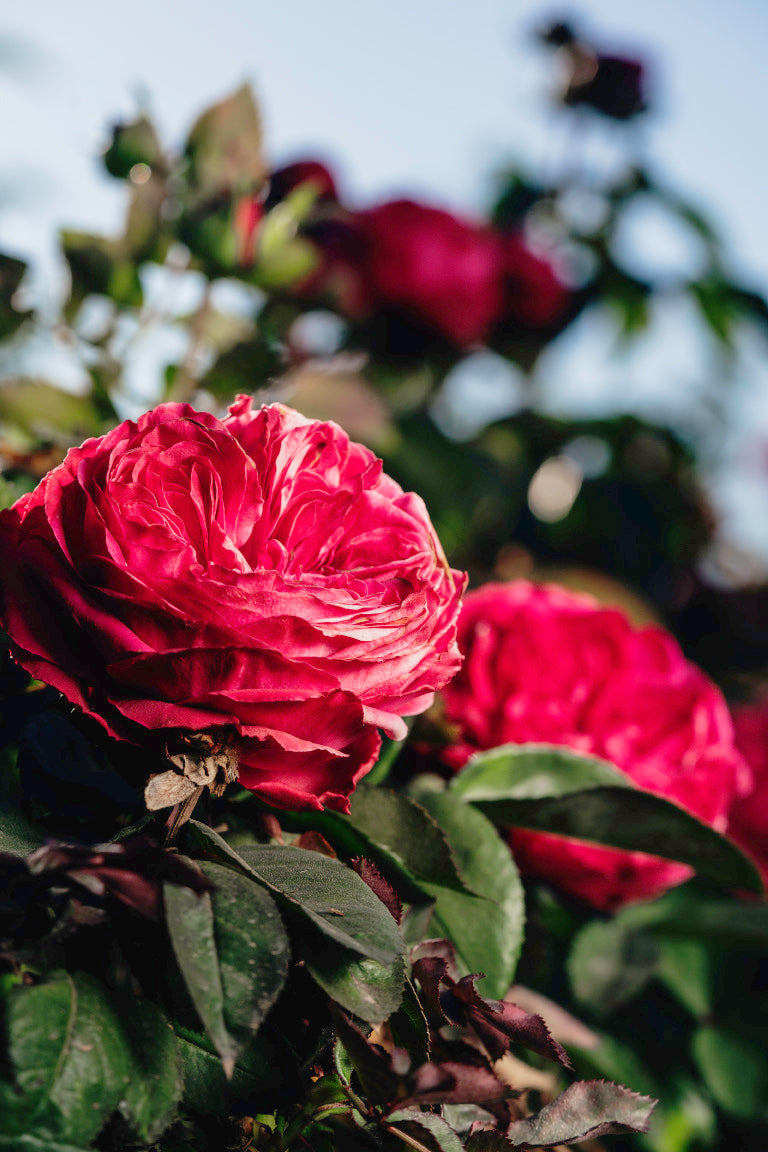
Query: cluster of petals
(546, 665)
(258, 574)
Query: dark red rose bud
(611, 85)
(284, 180)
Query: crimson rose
(259, 574)
(545, 665)
(433, 267)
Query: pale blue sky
(427, 97)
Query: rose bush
(546, 665)
(258, 573)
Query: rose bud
(284, 180)
(611, 85)
(748, 818)
(548, 666)
(250, 595)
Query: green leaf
(258, 1076)
(315, 889)
(17, 836)
(98, 266)
(409, 1028)
(233, 952)
(252, 946)
(734, 1069)
(189, 917)
(394, 831)
(487, 929)
(532, 772)
(429, 1130)
(687, 967)
(224, 148)
(155, 1084)
(371, 991)
(69, 1061)
(408, 835)
(132, 143)
(555, 790)
(11, 274)
(608, 965)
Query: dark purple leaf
(131, 871)
(497, 1023)
(368, 872)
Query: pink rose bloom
(748, 819)
(259, 574)
(545, 665)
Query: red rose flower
(545, 665)
(748, 818)
(258, 573)
(433, 268)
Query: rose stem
(180, 813)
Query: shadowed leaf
(587, 1109)
(555, 790)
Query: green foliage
(69, 1061)
(487, 924)
(255, 1081)
(397, 833)
(224, 148)
(735, 1070)
(232, 950)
